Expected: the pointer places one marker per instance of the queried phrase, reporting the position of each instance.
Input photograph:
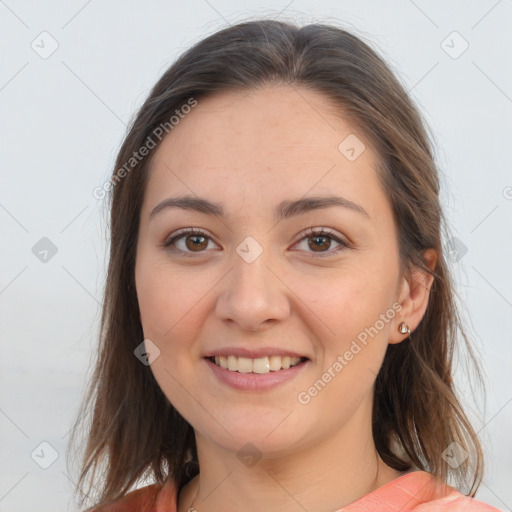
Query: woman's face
(259, 285)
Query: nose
(253, 295)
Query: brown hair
(134, 430)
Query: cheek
(350, 306)
(169, 304)
(350, 299)
(167, 298)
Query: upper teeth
(260, 365)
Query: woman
(279, 318)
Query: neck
(324, 476)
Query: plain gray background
(64, 114)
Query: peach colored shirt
(413, 492)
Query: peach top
(412, 492)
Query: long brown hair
(133, 431)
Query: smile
(260, 365)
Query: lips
(258, 365)
(256, 369)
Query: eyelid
(319, 231)
(170, 241)
(328, 232)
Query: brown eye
(195, 242)
(319, 242)
(188, 241)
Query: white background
(62, 121)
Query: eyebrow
(284, 210)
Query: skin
(249, 151)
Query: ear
(413, 298)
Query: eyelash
(169, 244)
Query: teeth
(244, 364)
(232, 364)
(260, 365)
(275, 362)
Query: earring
(403, 328)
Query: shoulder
(418, 491)
(455, 502)
(146, 499)
(451, 500)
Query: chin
(271, 436)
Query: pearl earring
(403, 328)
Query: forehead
(276, 143)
